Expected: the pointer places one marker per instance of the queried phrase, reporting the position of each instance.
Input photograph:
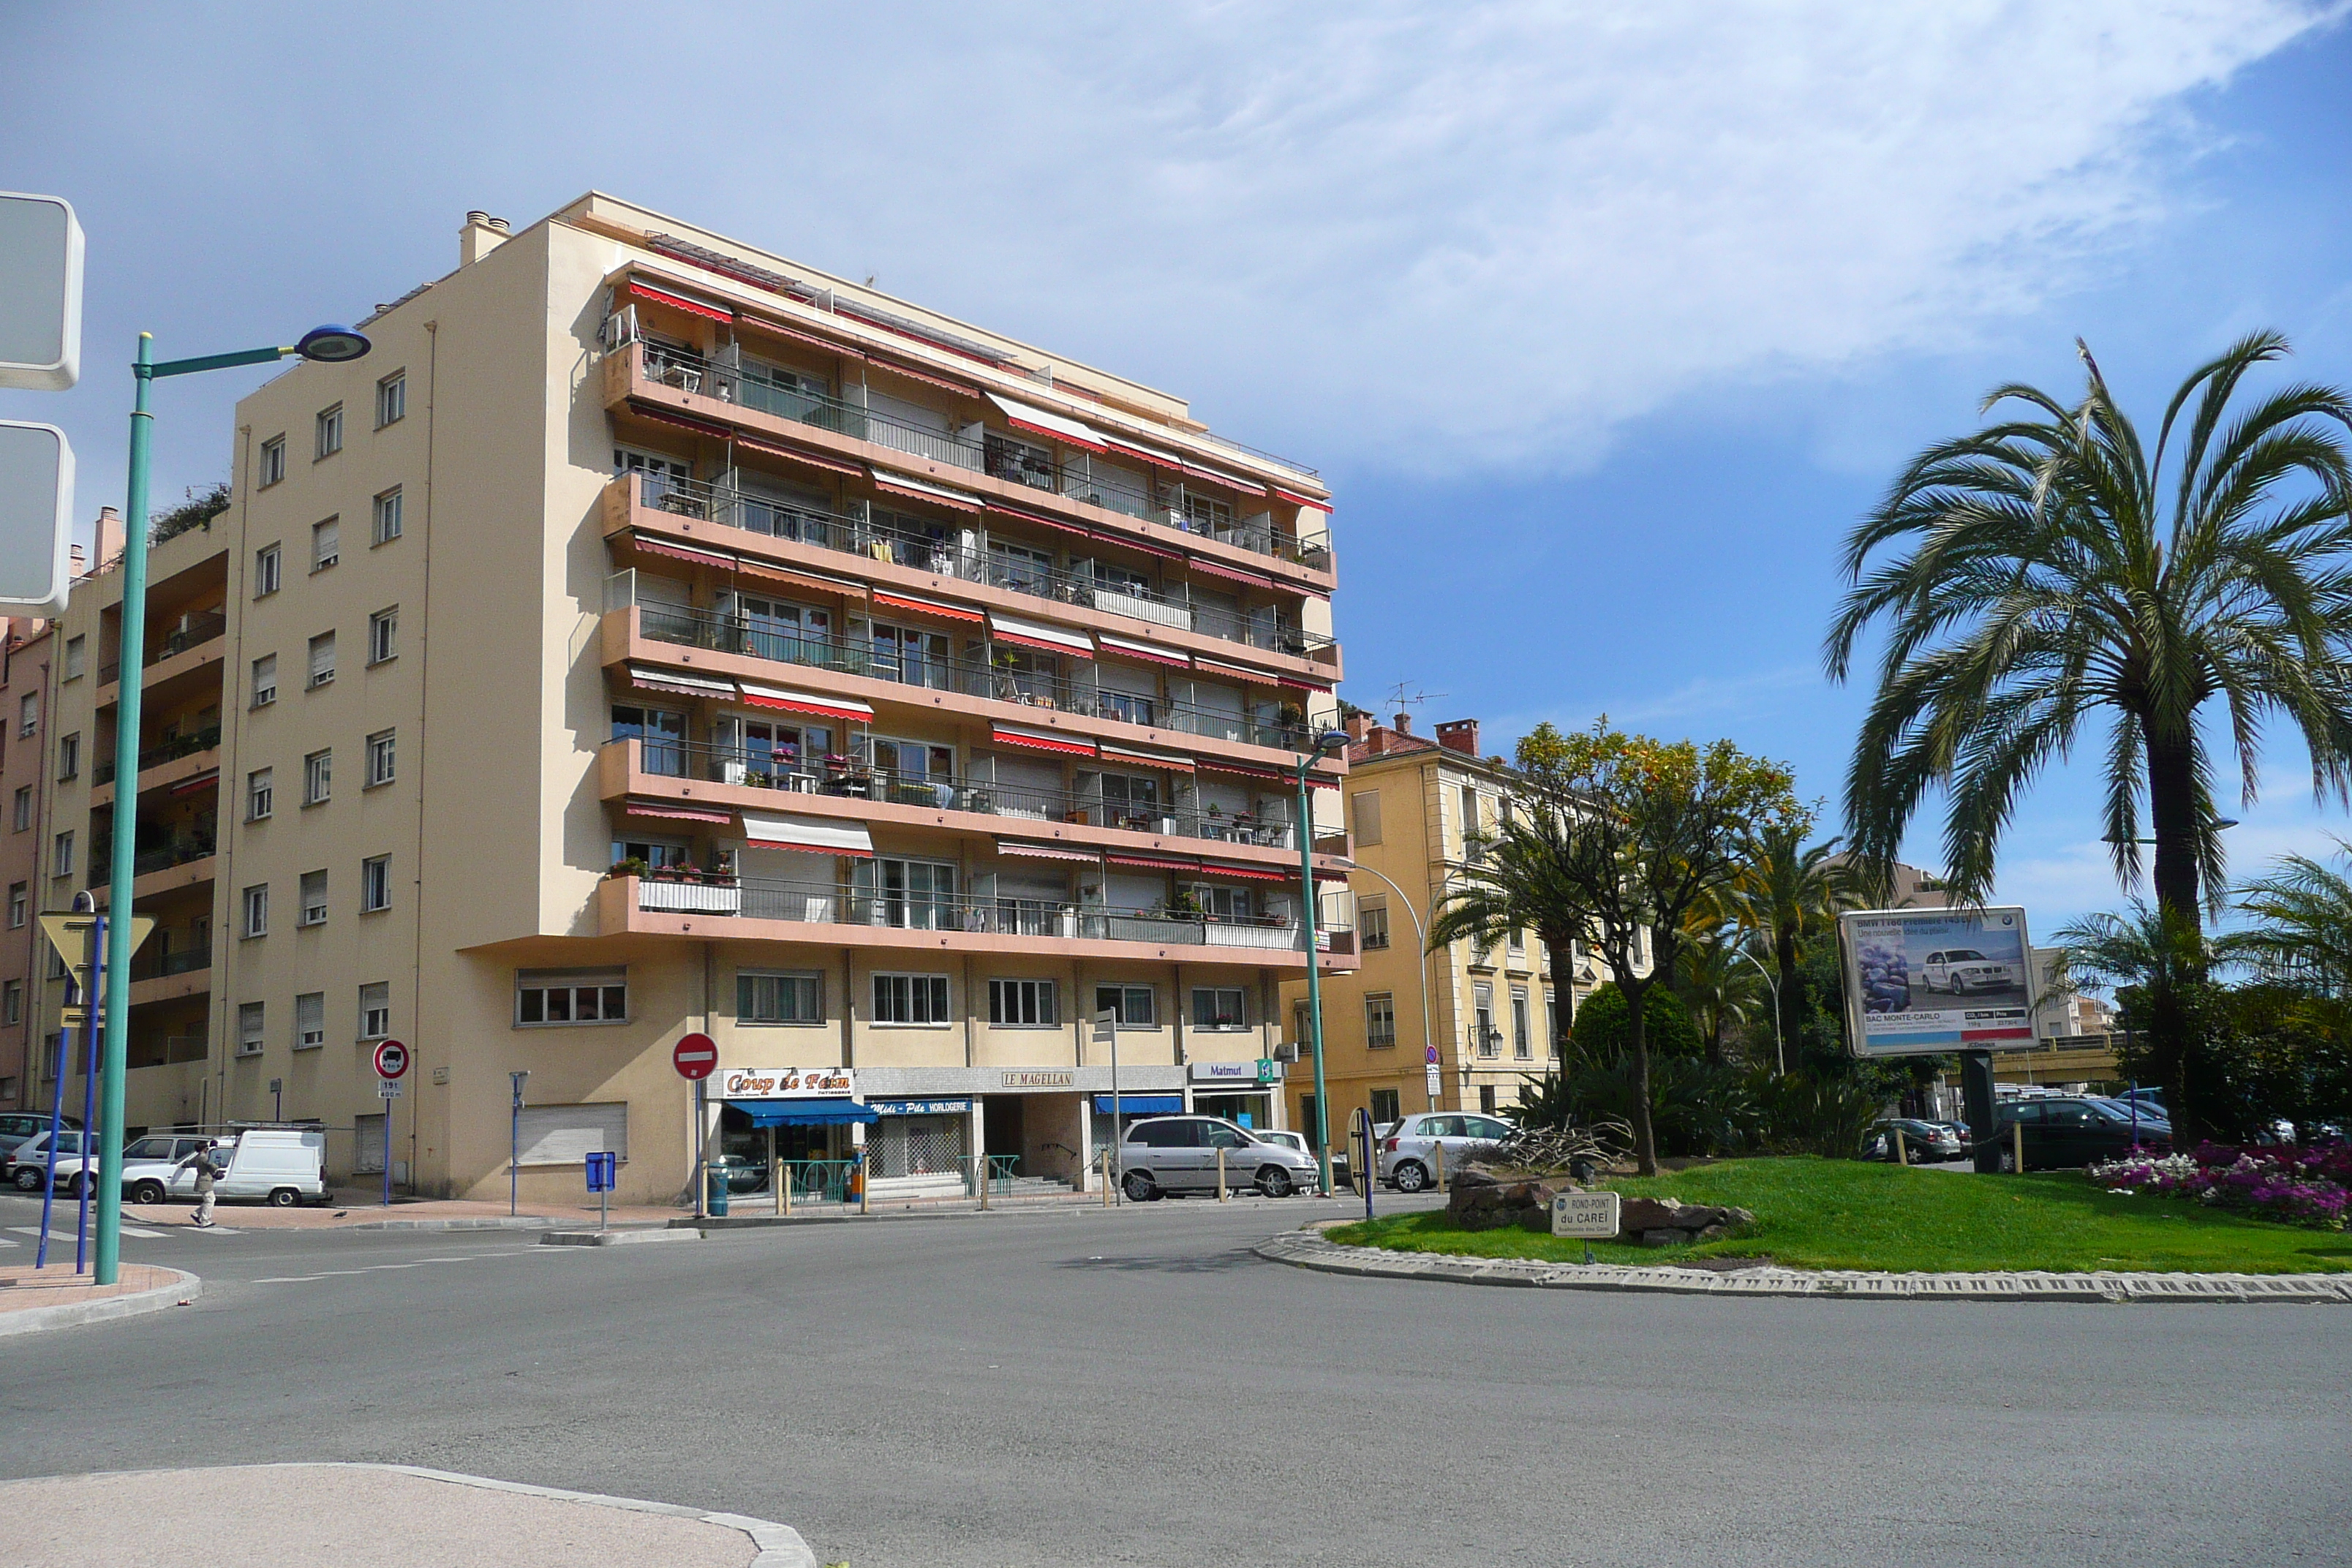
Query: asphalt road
(1083, 1386)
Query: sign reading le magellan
(788, 1083)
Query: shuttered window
(1367, 806)
(568, 1134)
(322, 659)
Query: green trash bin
(717, 1179)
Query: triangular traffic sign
(69, 933)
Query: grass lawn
(1840, 1213)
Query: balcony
(193, 632)
(1168, 605)
(784, 911)
(155, 756)
(1016, 461)
(176, 972)
(1001, 681)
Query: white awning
(820, 834)
(1151, 651)
(679, 682)
(1037, 634)
(1059, 426)
(890, 482)
(759, 696)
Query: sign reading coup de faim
(788, 1083)
(1924, 982)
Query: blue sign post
(604, 1170)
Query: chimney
(1459, 735)
(481, 234)
(1359, 726)
(108, 531)
(1404, 724)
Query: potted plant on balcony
(629, 866)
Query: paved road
(1132, 1387)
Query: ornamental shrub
(1603, 1029)
(2307, 1184)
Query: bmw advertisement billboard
(1924, 982)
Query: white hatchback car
(1960, 970)
(1408, 1154)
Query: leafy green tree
(2157, 965)
(1621, 838)
(1603, 1029)
(1719, 983)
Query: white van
(282, 1168)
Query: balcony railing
(194, 631)
(155, 756)
(826, 903)
(158, 860)
(945, 557)
(968, 677)
(1184, 818)
(173, 961)
(1015, 459)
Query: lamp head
(1331, 741)
(333, 345)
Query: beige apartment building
(25, 656)
(655, 636)
(1491, 1018)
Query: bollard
(784, 1193)
(1221, 1196)
(858, 1171)
(979, 1168)
(1437, 1159)
(2017, 1142)
(1902, 1150)
(1105, 1165)
(776, 1184)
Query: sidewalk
(352, 1208)
(56, 1297)
(365, 1516)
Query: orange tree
(1619, 836)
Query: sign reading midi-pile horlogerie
(1925, 982)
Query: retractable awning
(926, 377)
(647, 411)
(653, 295)
(675, 811)
(1040, 740)
(1062, 524)
(1038, 635)
(1253, 579)
(900, 485)
(1247, 873)
(821, 836)
(1235, 671)
(1020, 849)
(777, 328)
(1155, 862)
(843, 708)
(679, 684)
(1239, 770)
(1147, 759)
(717, 560)
(1247, 487)
(794, 455)
(921, 606)
(805, 1112)
(1040, 422)
(192, 785)
(1134, 650)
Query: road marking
(5, 1242)
(373, 1267)
(35, 1231)
(139, 1230)
(286, 1279)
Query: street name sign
(391, 1059)
(1593, 1216)
(696, 1058)
(40, 293)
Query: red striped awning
(1028, 851)
(1210, 476)
(1294, 499)
(926, 377)
(1240, 770)
(1040, 518)
(1321, 780)
(201, 781)
(1131, 648)
(1249, 873)
(678, 684)
(914, 605)
(1146, 759)
(1040, 740)
(663, 416)
(1330, 874)
(715, 559)
(917, 490)
(808, 340)
(1239, 672)
(1124, 543)
(676, 812)
(1002, 627)
(1148, 454)
(794, 455)
(1253, 579)
(1153, 862)
(1047, 422)
(647, 292)
(762, 696)
(764, 573)
(1301, 683)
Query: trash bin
(718, 1182)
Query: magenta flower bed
(2307, 1184)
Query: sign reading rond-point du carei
(1924, 982)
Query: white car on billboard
(1960, 970)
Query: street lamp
(1421, 947)
(328, 345)
(1780, 1056)
(1329, 742)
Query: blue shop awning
(804, 1112)
(1141, 1104)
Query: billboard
(1924, 982)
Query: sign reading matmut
(1924, 982)
(788, 1083)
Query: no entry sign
(391, 1059)
(696, 1058)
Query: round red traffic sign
(391, 1059)
(697, 1056)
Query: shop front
(809, 1122)
(918, 1147)
(1236, 1091)
(1038, 1124)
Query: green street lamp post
(329, 345)
(1329, 742)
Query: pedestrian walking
(206, 1175)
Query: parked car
(1288, 1140)
(147, 1164)
(2065, 1131)
(15, 1126)
(1926, 1143)
(1163, 1154)
(280, 1166)
(1408, 1154)
(30, 1162)
(1960, 970)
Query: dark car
(1925, 1142)
(2064, 1132)
(18, 1126)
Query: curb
(1305, 1250)
(526, 1223)
(186, 1289)
(614, 1237)
(1092, 1204)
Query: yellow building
(657, 635)
(1493, 1018)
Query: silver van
(1164, 1155)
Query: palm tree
(1785, 893)
(2305, 937)
(2045, 569)
(2162, 960)
(1719, 981)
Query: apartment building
(25, 656)
(654, 635)
(1493, 1016)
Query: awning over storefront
(805, 1112)
(1141, 1104)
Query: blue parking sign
(601, 1170)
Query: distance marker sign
(696, 1058)
(391, 1059)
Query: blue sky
(1605, 323)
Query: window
(61, 856)
(1517, 942)
(267, 561)
(1373, 926)
(28, 714)
(387, 516)
(1131, 1006)
(1384, 1105)
(1523, 1040)
(313, 911)
(258, 794)
(375, 1010)
(911, 999)
(317, 776)
(1366, 805)
(1490, 1038)
(778, 998)
(265, 681)
(251, 1022)
(1379, 1020)
(322, 659)
(12, 1002)
(21, 813)
(19, 906)
(392, 399)
(273, 462)
(326, 543)
(77, 657)
(375, 884)
(310, 1020)
(257, 910)
(1025, 1002)
(571, 995)
(1486, 1098)
(1219, 1007)
(331, 430)
(568, 1134)
(1469, 810)
(379, 758)
(69, 755)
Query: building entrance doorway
(1001, 1123)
